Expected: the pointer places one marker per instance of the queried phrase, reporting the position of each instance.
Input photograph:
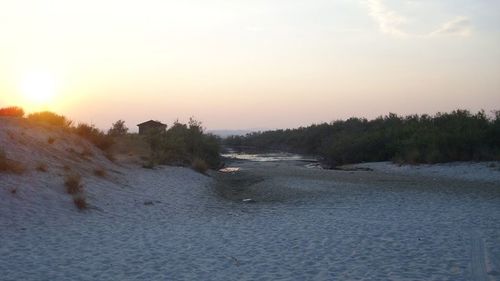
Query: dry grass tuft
(74, 187)
(86, 153)
(150, 164)
(8, 165)
(80, 202)
(199, 165)
(41, 167)
(73, 184)
(100, 172)
(110, 156)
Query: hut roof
(152, 122)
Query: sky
(237, 64)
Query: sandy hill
(38, 160)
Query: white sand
(168, 224)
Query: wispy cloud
(391, 22)
(459, 26)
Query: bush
(199, 165)
(149, 165)
(80, 202)
(41, 167)
(73, 184)
(8, 165)
(100, 172)
(182, 144)
(94, 135)
(12, 111)
(110, 156)
(118, 129)
(50, 118)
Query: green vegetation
(185, 145)
(444, 137)
(199, 165)
(182, 144)
(47, 117)
(118, 129)
(89, 132)
(94, 135)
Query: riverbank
(387, 223)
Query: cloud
(390, 22)
(459, 26)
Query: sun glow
(38, 87)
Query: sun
(38, 87)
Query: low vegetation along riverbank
(444, 137)
(181, 145)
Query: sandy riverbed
(306, 224)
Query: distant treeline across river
(444, 137)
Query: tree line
(444, 137)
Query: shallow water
(267, 157)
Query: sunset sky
(248, 64)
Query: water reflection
(229, 170)
(267, 157)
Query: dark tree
(118, 129)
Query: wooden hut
(151, 126)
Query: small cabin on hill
(151, 126)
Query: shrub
(12, 111)
(73, 184)
(80, 202)
(199, 165)
(94, 135)
(50, 118)
(41, 167)
(149, 165)
(181, 144)
(8, 165)
(51, 140)
(86, 152)
(3, 156)
(118, 128)
(100, 172)
(110, 156)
